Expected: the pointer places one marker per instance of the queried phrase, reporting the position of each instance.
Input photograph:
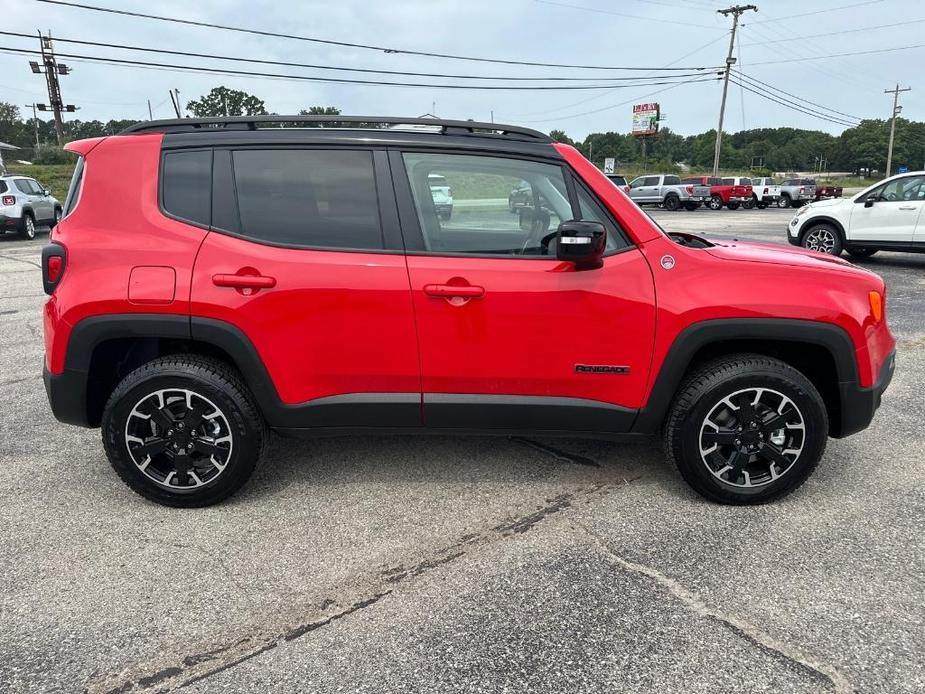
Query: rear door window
(309, 198)
(672, 180)
(22, 185)
(187, 186)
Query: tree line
(861, 150)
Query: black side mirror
(582, 243)
(870, 200)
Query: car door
(44, 208)
(305, 260)
(511, 338)
(889, 213)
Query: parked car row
(674, 193)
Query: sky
(640, 33)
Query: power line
(841, 55)
(331, 42)
(825, 11)
(573, 104)
(834, 33)
(259, 61)
(337, 80)
(742, 75)
(621, 14)
(795, 107)
(622, 103)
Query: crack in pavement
(170, 671)
(556, 453)
(751, 633)
(20, 260)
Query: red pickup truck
(722, 191)
(824, 192)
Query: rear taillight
(690, 190)
(802, 189)
(54, 261)
(765, 191)
(8, 200)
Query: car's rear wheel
(784, 201)
(183, 430)
(746, 429)
(716, 202)
(672, 203)
(823, 238)
(861, 252)
(749, 204)
(27, 227)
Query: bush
(51, 154)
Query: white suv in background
(886, 216)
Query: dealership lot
(468, 564)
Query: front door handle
(449, 291)
(908, 207)
(244, 281)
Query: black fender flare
(699, 335)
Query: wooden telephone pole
(897, 109)
(735, 11)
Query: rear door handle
(447, 291)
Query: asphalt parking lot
(399, 564)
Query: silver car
(25, 204)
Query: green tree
(560, 136)
(222, 101)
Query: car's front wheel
(746, 429)
(823, 238)
(183, 430)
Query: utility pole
(150, 114)
(735, 11)
(35, 122)
(52, 69)
(897, 109)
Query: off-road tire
(672, 203)
(209, 378)
(714, 380)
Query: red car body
(326, 324)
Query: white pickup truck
(765, 192)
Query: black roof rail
(447, 127)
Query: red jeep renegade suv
(216, 278)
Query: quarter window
(187, 185)
(309, 198)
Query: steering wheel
(891, 197)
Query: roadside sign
(609, 165)
(645, 119)
(903, 169)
